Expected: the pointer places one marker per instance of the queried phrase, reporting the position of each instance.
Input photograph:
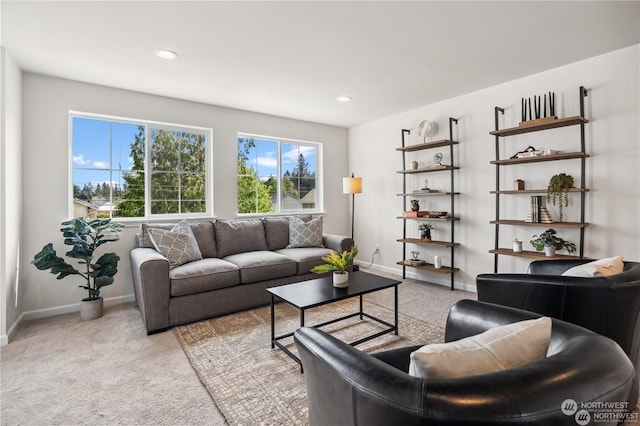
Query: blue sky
(92, 159)
(264, 158)
(94, 155)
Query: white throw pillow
(597, 268)
(498, 349)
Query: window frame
(205, 131)
(319, 166)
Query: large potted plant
(549, 242)
(558, 191)
(85, 237)
(338, 264)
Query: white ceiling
(294, 58)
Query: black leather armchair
(348, 387)
(607, 305)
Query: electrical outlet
(377, 249)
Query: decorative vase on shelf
(341, 279)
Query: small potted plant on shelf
(558, 191)
(338, 264)
(425, 231)
(85, 237)
(549, 242)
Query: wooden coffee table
(313, 293)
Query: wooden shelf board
(554, 157)
(533, 191)
(428, 243)
(427, 194)
(538, 255)
(429, 267)
(548, 225)
(434, 219)
(561, 122)
(426, 145)
(428, 169)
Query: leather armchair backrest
(348, 387)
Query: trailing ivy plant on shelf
(558, 191)
(549, 242)
(85, 237)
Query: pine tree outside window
(125, 168)
(278, 175)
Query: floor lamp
(352, 185)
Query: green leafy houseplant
(548, 238)
(335, 262)
(84, 237)
(425, 230)
(558, 191)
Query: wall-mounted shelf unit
(449, 192)
(578, 121)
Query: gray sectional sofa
(239, 260)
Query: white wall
(46, 179)
(612, 139)
(10, 189)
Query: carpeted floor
(251, 382)
(62, 371)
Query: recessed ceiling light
(343, 98)
(166, 54)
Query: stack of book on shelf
(538, 212)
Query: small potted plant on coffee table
(549, 242)
(338, 264)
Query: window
(136, 169)
(277, 175)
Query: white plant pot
(91, 309)
(341, 279)
(549, 251)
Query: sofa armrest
(336, 242)
(151, 285)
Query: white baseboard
(410, 273)
(57, 310)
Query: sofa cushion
(206, 237)
(239, 236)
(305, 233)
(306, 258)
(178, 247)
(143, 235)
(203, 275)
(262, 265)
(597, 268)
(501, 348)
(276, 229)
(202, 230)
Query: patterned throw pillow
(305, 234)
(178, 245)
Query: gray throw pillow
(305, 234)
(178, 247)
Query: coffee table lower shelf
(314, 293)
(275, 339)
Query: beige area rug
(251, 383)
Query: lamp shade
(352, 185)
